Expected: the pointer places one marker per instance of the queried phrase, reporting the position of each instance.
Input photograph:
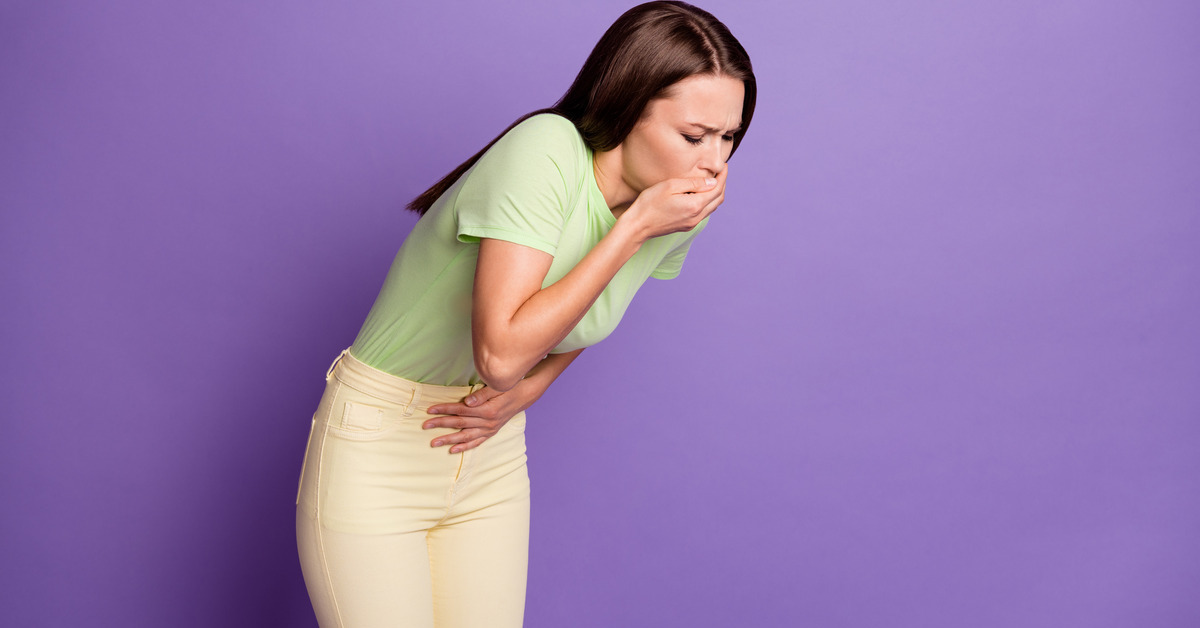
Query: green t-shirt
(534, 187)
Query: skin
(665, 177)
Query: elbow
(498, 373)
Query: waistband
(361, 376)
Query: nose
(712, 161)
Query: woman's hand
(675, 205)
(477, 417)
(482, 413)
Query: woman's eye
(727, 138)
(692, 139)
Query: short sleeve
(519, 190)
(672, 262)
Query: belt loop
(416, 396)
(336, 360)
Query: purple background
(934, 363)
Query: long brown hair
(646, 51)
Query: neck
(617, 194)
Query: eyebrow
(709, 129)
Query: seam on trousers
(453, 490)
(462, 480)
(320, 531)
(466, 470)
(312, 428)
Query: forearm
(540, 377)
(543, 374)
(515, 321)
(551, 313)
(508, 347)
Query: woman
(525, 254)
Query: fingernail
(436, 443)
(470, 400)
(710, 182)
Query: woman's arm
(486, 410)
(515, 322)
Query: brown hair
(646, 51)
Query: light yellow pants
(393, 532)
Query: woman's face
(687, 133)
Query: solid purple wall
(934, 363)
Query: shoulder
(543, 135)
(523, 188)
(549, 126)
(543, 149)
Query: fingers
(692, 185)
(707, 195)
(447, 408)
(473, 400)
(719, 196)
(714, 203)
(459, 437)
(481, 396)
(471, 444)
(463, 440)
(471, 429)
(474, 417)
(675, 205)
(695, 184)
(459, 422)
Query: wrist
(629, 232)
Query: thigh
(365, 580)
(370, 489)
(479, 565)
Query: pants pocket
(360, 422)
